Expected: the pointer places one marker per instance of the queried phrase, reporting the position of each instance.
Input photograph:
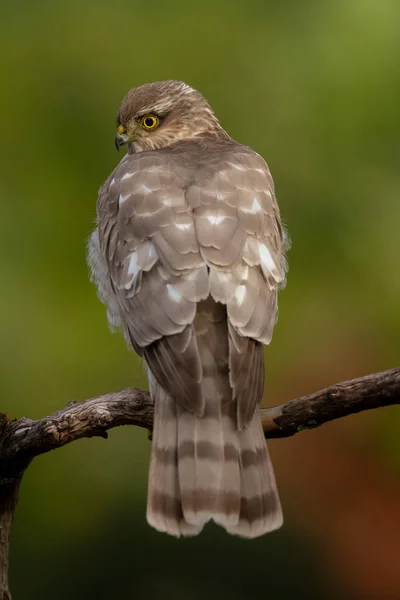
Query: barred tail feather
(209, 476)
(164, 508)
(202, 468)
(260, 508)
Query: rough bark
(334, 402)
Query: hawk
(188, 256)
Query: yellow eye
(149, 121)
(121, 130)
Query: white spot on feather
(145, 189)
(122, 199)
(222, 195)
(192, 276)
(256, 206)
(245, 274)
(240, 293)
(153, 252)
(215, 219)
(127, 175)
(133, 268)
(173, 293)
(238, 166)
(183, 226)
(267, 262)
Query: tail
(203, 467)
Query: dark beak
(119, 141)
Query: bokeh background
(315, 88)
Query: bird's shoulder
(203, 152)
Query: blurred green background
(315, 88)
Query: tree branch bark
(23, 439)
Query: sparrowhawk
(188, 256)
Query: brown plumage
(188, 256)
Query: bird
(188, 255)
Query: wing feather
(240, 237)
(176, 227)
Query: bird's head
(156, 115)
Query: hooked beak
(119, 140)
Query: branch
(23, 439)
(338, 400)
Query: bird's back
(188, 256)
